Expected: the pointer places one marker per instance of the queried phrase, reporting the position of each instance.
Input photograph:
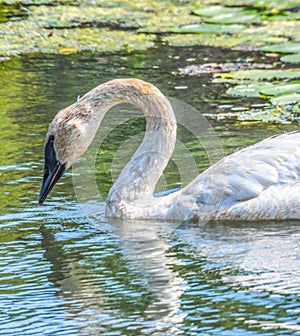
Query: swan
(258, 182)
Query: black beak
(53, 170)
(50, 179)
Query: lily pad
(248, 90)
(228, 15)
(285, 16)
(214, 10)
(284, 48)
(286, 99)
(264, 115)
(275, 90)
(293, 58)
(267, 114)
(260, 75)
(232, 18)
(208, 29)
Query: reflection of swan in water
(258, 182)
(139, 277)
(148, 253)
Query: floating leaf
(208, 29)
(214, 10)
(266, 114)
(285, 16)
(284, 48)
(227, 15)
(293, 58)
(231, 18)
(248, 90)
(281, 89)
(260, 75)
(286, 99)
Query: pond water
(62, 273)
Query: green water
(62, 273)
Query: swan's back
(259, 182)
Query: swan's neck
(139, 177)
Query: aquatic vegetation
(274, 5)
(279, 94)
(198, 69)
(11, 12)
(254, 24)
(228, 15)
(248, 90)
(245, 40)
(257, 75)
(294, 58)
(292, 47)
(286, 48)
(286, 98)
(279, 89)
(46, 26)
(277, 86)
(247, 14)
(71, 26)
(257, 116)
(270, 86)
(208, 29)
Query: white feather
(258, 182)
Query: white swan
(258, 182)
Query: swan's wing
(245, 174)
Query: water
(65, 274)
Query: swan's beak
(51, 175)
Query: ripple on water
(63, 274)
(71, 276)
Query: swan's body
(258, 182)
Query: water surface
(64, 274)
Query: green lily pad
(208, 29)
(227, 15)
(293, 58)
(277, 93)
(284, 48)
(248, 90)
(286, 99)
(232, 18)
(214, 10)
(276, 90)
(266, 114)
(260, 75)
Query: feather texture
(258, 182)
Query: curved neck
(140, 175)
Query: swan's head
(65, 142)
